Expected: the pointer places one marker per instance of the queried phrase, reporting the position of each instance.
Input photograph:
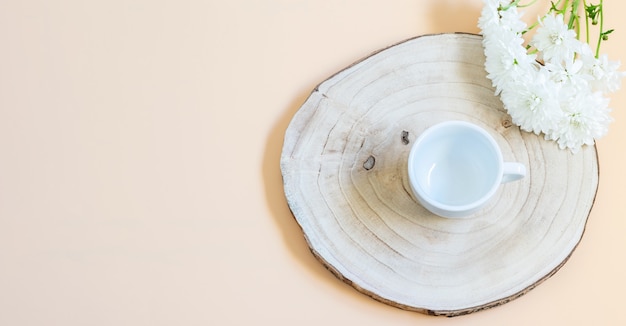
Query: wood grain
(344, 171)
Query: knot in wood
(405, 137)
(369, 163)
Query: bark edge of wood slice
(344, 172)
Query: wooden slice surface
(345, 179)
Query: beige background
(139, 177)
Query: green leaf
(592, 11)
(605, 35)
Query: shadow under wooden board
(344, 171)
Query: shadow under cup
(454, 168)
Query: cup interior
(456, 164)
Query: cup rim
(423, 195)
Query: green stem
(526, 5)
(601, 29)
(586, 21)
(564, 9)
(573, 18)
(530, 28)
(555, 5)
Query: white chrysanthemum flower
(605, 76)
(511, 19)
(585, 118)
(493, 19)
(533, 103)
(570, 74)
(507, 60)
(555, 40)
(489, 17)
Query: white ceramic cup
(455, 167)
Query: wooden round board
(344, 171)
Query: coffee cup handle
(513, 171)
